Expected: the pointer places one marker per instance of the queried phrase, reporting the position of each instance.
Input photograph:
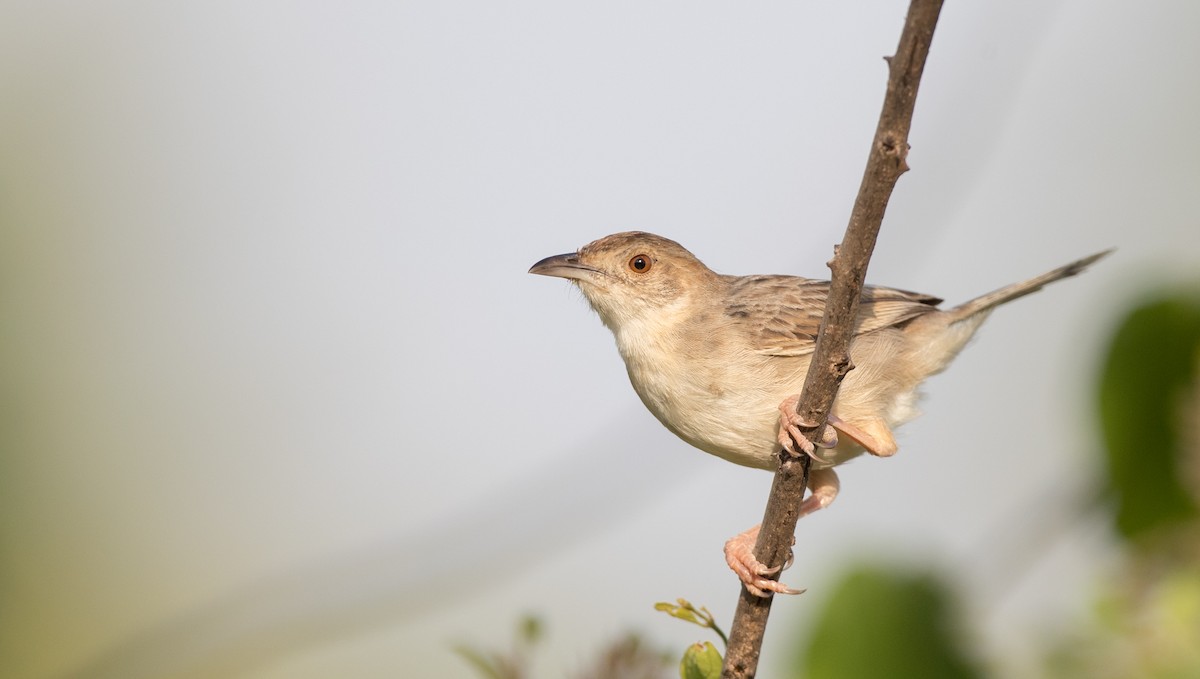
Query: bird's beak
(564, 266)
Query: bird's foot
(739, 554)
(791, 438)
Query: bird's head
(632, 276)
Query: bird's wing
(783, 313)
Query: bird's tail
(1008, 293)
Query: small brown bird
(720, 360)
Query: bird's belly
(736, 425)
(748, 441)
(730, 417)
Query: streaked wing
(783, 313)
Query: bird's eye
(640, 263)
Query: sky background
(280, 400)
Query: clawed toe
(764, 588)
(790, 437)
(754, 574)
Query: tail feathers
(1016, 290)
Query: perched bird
(720, 360)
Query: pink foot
(790, 436)
(739, 554)
(739, 550)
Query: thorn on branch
(837, 247)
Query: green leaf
(886, 624)
(1150, 367)
(700, 661)
(683, 611)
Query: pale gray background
(281, 401)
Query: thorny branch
(831, 361)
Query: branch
(831, 361)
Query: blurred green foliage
(1145, 386)
(1147, 618)
(1144, 628)
(886, 623)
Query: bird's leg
(871, 433)
(739, 550)
(823, 486)
(790, 436)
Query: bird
(720, 360)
